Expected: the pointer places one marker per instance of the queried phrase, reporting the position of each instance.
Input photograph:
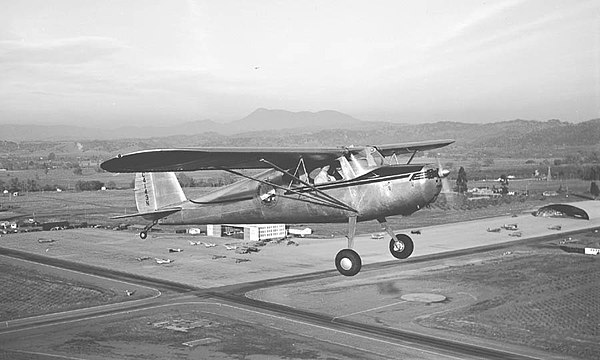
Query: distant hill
(260, 119)
(77, 133)
(264, 119)
(279, 128)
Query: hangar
(578, 210)
(253, 232)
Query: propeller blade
(443, 172)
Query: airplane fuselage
(385, 191)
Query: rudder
(154, 191)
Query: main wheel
(348, 262)
(402, 248)
(143, 235)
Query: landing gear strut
(144, 233)
(347, 261)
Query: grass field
(26, 293)
(96, 207)
(536, 296)
(30, 289)
(66, 179)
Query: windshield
(364, 160)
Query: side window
(328, 173)
(377, 158)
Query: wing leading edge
(408, 148)
(192, 159)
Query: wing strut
(300, 163)
(316, 200)
(327, 197)
(411, 157)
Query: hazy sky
(129, 61)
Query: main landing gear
(144, 233)
(401, 245)
(349, 263)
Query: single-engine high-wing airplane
(300, 185)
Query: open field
(534, 296)
(537, 298)
(30, 289)
(96, 207)
(66, 178)
(195, 330)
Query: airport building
(253, 232)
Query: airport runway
(230, 301)
(271, 329)
(375, 340)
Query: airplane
(362, 183)
(300, 232)
(163, 261)
(510, 227)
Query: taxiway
(287, 297)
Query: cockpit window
(378, 159)
(364, 160)
(325, 174)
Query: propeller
(443, 174)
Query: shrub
(92, 185)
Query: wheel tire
(348, 262)
(143, 235)
(405, 252)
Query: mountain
(259, 120)
(280, 128)
(265, 119)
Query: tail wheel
(348, 262)
(143, 235)
(402, 248)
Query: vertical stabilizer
(154, 191)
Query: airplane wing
(408, 148)
(192, 159)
